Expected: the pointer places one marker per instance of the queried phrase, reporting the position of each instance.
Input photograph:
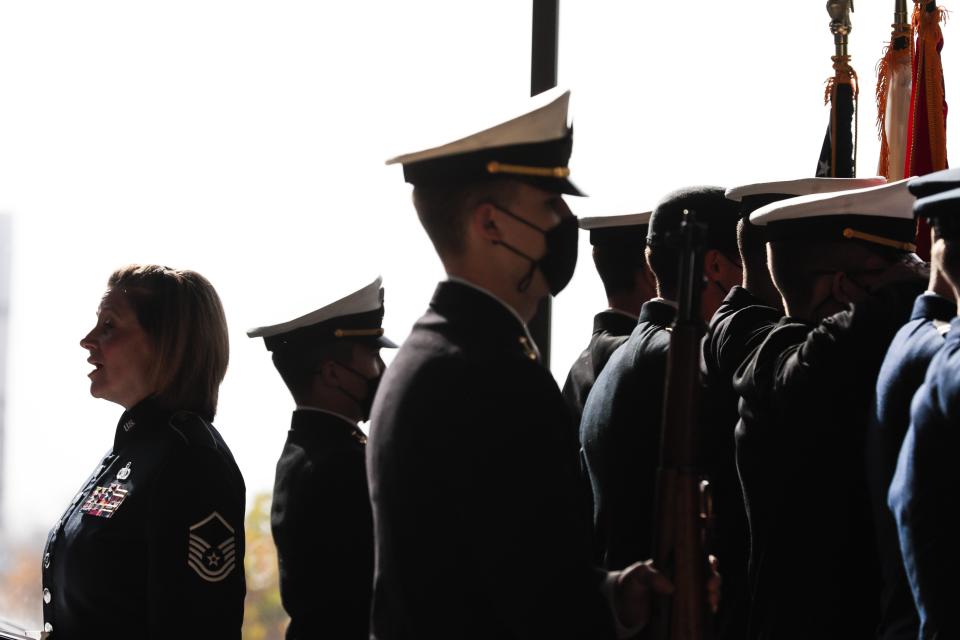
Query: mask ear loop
(526, 280)
(723, 289)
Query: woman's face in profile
(120, 351)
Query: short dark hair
(181, 313)
(712, 208)
(443, 209)
(665, 263)
(618, 266)
(297, 366)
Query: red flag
(927, 133)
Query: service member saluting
(152, 545)
(901, 374)
(922, 494)
(845, 266)
(321, 521)
(473, 463)
(741, 323)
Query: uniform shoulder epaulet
(192, 429)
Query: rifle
(680, 512)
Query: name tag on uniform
(104, 501)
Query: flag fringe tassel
(892, 58)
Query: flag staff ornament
(893, 95)
(840, 26)
(838, 157)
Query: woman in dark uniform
(153, 544)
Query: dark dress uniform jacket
(807, 393)
(740, 325)
(610, 330)
(473, 472)
(152, 546)
(923, 494)
(620, 435)
(323, 528)
(901, 374)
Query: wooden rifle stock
(678, 534)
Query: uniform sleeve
(326, 545)
(195, 539)
(919, 528)
(571, 393)
(739, 335)
(850, 342)
(531, 547)
(922, 500)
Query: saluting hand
(945, 255)
(908, 269)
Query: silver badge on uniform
(212, 550)
(124, 473)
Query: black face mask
(560, 259)
(365, 403)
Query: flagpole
(840, 25)
(838, 159)
(543, 76)
(901, 20)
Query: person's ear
(711, 265)
(719, 268)
(484, 224)
(844, 290)
(329, 374)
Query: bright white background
(246, 140)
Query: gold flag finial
(840, 24)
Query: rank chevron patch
(212, 548)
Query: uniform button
(46, 561)
(48, 627)
(46, 596)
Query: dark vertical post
(6, 247)
(543, 76)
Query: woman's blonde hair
(181, 313)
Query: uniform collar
(658, 311)
(301, 407)
(487, 292)
(135, 420)
(312, 418)
(621, 312)
(931, 306)
(614, 322)
(473, 306)
(739, 297)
